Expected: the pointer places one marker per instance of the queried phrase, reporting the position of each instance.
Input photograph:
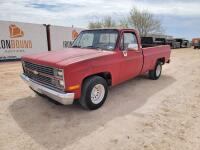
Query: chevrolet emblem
(35, 72)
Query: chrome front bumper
(63, 98)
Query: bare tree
(106, 22)
(124, 23)
(144, 22)
(95, 25)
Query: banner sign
(18, 39)
(61, 37)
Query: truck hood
(65, 57)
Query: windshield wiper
(76, 46)
(88, 47)
(93, 47)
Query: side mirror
(131, 47)
(70, 43)
(67, 44)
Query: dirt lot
(139, 114)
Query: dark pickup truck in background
(152, 41)
(173, 43)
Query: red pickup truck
(98, 59)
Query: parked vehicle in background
(152, 41)
(186, 43)
(97, 60)
(195, 40)
(196, 43)
(183, 43)
(162, 41)
(147, 42)
(155, 41)
(173, 44)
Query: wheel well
(162, 60)
(106, 75)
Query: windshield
(97, 39)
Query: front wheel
(156, 73)
(94, 92)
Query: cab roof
(118, 29)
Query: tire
(156, 73)
(94, 93)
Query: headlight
(61, 82)
(58, 83)
(58, 73)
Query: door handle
(137, 51)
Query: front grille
(39, 68)
(44, 75)
(39, 78)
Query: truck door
(132, 57)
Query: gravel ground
(138, 114)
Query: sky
(180, 18)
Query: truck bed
(151, 54)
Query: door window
(127, 40)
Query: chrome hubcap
(97, 93)
(158, 70)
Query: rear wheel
(94, 92)
(156, 73)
